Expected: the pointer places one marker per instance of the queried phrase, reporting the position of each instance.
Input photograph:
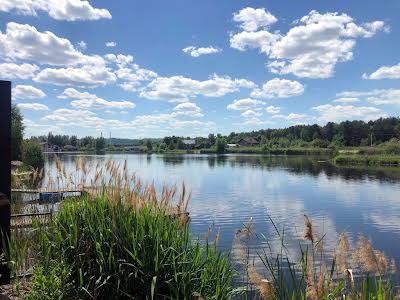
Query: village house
(248, 142)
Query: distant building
(69, 148)
(232, 145)
(248, 142)
(189, 143)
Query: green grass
(279, 151)
(358, 159)
(112, 251)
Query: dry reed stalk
(265, 287)
(308, 229)
(369, 259)
(341, 253)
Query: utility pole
(5, 173)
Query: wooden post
(5, 172)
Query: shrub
(32, 154)
(114, 251)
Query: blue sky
(155, 68)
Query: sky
(134, 69)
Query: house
(248, 142)
(69, 148)
(189, 143)
(232, 145)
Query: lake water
(228, 190)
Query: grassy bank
(274, 151)
(359, 159)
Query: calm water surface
(228, 190)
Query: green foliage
(149, 146)
(32, 154)
(319, 143)
(17, 133)
(220, 145)
(100, 144)
(211, 139)
(357, 159)
(53, 282)
(114, 251)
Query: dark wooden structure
(5, 172)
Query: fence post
(5, 172)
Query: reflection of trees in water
(314, 166)
(173, 159)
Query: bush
(32, 154)
(318, 143)
(114, 251)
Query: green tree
(100, 143)
(220, 145)
(211, 139)
(17, 133)
(180, 144)
(149, 146)
(32, 154)
(73, 140)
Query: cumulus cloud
(251, 114)
(346, 100)
(385, 72)
(245, 104)
(32, 106)
(273, 109)
(188, 109)
(181, 89)
(279, 88)
(88, 75)
(376, 97)
(111, 44)
(69, 10)
(337, 113)
(198, 51)
(312, 47)
(23, 41)
(27, 92)
(87, 101)
(251, 19)
(82, 45)
(22, 71)
(294, 117)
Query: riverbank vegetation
(125, 240)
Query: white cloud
(180, 89)
(188, 109)
(87, 101)
(22, 41)
(385, 72)
(311, 48)
(346, 100)
(279, 88)
(198, 51)
(377, 97)
(32, 106)
(254, 121)
(27, 92)
(111, 44)
(252, 19)
(273, 109)
(263, 40)
(132, 74)
(294, 117)
(251, 114)
(87, 75)
(22, 71)
(82, 45)
(69, 10)
(245, 104)
(337, 113)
